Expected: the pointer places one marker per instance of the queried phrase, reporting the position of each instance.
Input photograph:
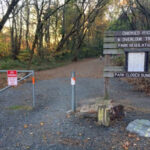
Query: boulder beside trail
(140, 127)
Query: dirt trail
(88, 68)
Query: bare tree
(47, 28)
(81, 25)
(8, 12)
(40, 25)
(27, 22)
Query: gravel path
(47, 127)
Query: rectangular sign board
(136, 62)
(133, 45)
(132, 33)
(132, 39)
(12, 77)
(131, 75)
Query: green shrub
(9, 63)
(119, 60)
(24, 55)
(87, 52)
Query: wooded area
(54, 30)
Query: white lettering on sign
(131, 75)
(133, 45)
(145, 32)
(12, 77)
(145, 75)
(132, 39)
(73, 81)
(130, 33)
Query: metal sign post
(31, 73)
(33, 87)
(73, 83)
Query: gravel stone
(53, 100)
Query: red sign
(12, 77)
(12, 73)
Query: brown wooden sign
(132, 39)
(133, 45)
(131, 75)
(132, 33)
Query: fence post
(106, 79)
(73, 101)
(33, 87)
(106, 88)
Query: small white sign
(136, 62)
(73, 81)
(12, 77)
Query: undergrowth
(37, 64)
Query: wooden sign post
(135, 46)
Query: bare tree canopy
(70, 29)
(8, 12)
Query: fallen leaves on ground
(68, 116)
(131, 135)
(58, 133)
(25, 126)
(70, 141)
(44, 138)
(126, 145)
(137, 139)
(19, 132)
(80, 134)
(41, 123)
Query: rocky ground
(49, 127)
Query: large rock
(140, 126)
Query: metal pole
(33, 87)
(20, 71)
(73, 92)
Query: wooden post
(103, 115)
(106, 79)
(106, 90)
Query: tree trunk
(8, 12)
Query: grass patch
(8, 63)
(37, 65)
(20, 107)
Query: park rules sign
(12, 77)
(136, 62)
(136, 45)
